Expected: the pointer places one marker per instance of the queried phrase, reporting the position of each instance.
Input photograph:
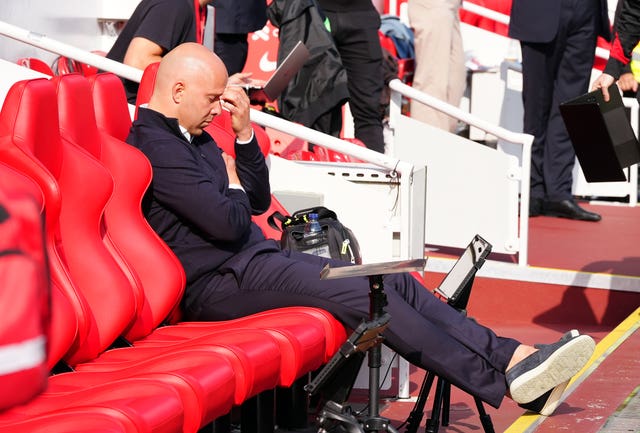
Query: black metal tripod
(365, 337)
(441, 405)
(457, 293)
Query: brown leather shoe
(568, 209)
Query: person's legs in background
(537, 90)
(553, 73)
(232, 48)
(356, 37)
(440, 69)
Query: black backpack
(341, 242)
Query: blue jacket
(190, 205)
(538, 20)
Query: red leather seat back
(110, 105)
(86, 187)
(145, 89)
(29, 116)
(78, 126)
(65, 65)
(157, 268)
(261, 220)
(24, 290)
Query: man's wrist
(245, 137)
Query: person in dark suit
(558, 41)
(201, 201)
(234, 20)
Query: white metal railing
(402, 169)
(60, 48)
(400, 89)
(134, 74)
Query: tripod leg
(413, 421)
(446, 402)
(485, 419)
(433, 423)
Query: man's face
(200, 101)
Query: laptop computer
(281, 77)
(601, 134)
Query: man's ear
(177, 92)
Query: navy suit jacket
(190, 205)
(239, 16)
(538, 20)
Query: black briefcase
(601, 135)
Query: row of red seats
(67, 66)
(115, 283)
(61, 66)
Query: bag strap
(277, 216)
(298, 217)
(322, 212)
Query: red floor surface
(610, 246)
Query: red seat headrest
(35, 64)
(75, 108)
(30, 116)
(110, 105)
(147, 83)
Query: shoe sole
(554, 399)
(561, 366)
(562, 215)
(551, 403)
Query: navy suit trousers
(423, 329)
(555, 72)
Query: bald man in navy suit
(201, 201)
(558, 40)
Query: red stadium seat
(110, 408)
(17, 150)
(406, 67)
(31, 144)
(24, 290)
(254, 355)
(35, 64)
(112, 116)
(95, 419)
(65, 65)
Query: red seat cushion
(109, 408)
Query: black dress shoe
(568, 209)
(535, 207)
(550, 366)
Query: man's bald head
(189, 77)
